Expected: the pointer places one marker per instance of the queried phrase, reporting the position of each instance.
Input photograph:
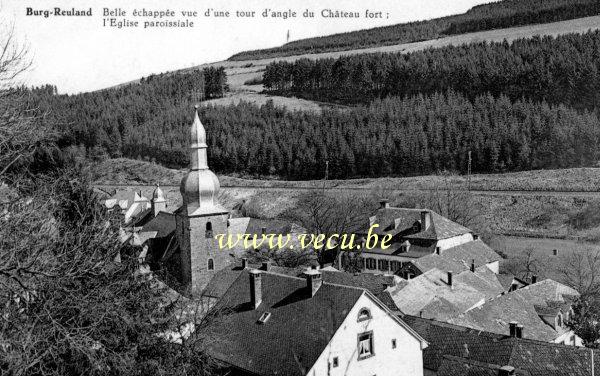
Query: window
(211, 264)
(364, 314)
(365, 345)
(395, 266)
(383, 265)
(209, 231)
(336, 361)
(394, 343)
(370, 263)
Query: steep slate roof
(539, 358)
(164, 224)
(496, 314)
(430, 294)
(395, 220)
(376, 284)
(435, 261)
(473, 250)
(296, 333)
(456, 366)
(546, 291)
(506, 280)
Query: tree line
(502, 14)
(397, 136)
(563, 69)
(106, 121)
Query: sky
(78, 54)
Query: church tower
(200, 218)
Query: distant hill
(502, 14)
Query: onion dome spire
(200, 187)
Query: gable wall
(405, 359)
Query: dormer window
(364, 314)
(405, 247)
(559, 320)
(264, 317)
(209, 230)
(416, 227)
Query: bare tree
(581, 271)
(455, 203)
(331, 214)
(14, 57)
(527, 264)
(65, 306)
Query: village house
(416, 234)
(274, 324)
(130, 203)
(457, 351)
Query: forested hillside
(107, 123)
(565, 69)
(394, 136)
(500, 14)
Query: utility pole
(469, 173)
(288, 36)
(326, 174)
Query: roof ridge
(303, 279)
(472, 361)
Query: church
(181, 246)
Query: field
(576, 180)
(545, 203)
(548, 265)
(541, 210)
(239, 72)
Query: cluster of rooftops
(438, 284)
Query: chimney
(475, 237)
(244, 263)
(421, 314)
(466, 352)
(438, 250)
(512, 328)
(425, 220)
(263, 231)
(313, 281)
(506, 371)
(450, 279)
(255, 288)
(473, 265)
(266, 265)
(519, 331)
(384, 204)
(554, 252)
(533, 279)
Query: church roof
(164, 224)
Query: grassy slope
(540, 213)
(128, 171)
(543, 219)
(238, 72)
